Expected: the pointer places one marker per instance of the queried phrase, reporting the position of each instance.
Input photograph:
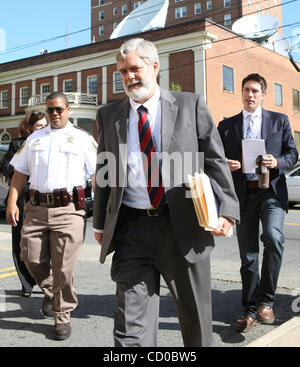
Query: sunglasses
(59, 110)
(37, 113)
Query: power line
(113, 52)
(181, 49)
(211, 11)
(189, 63)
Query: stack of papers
(251, 149)
(205, 203)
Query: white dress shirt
(136, 194)
(56, 158)
(257, 118)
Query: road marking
(292, 224)
(7, 269)
(6, 275)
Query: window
(180, 12)
(45, 88)
(296, 99)
(117, 82)
(4, 99)
(124, 9)
(101, 30)
(227, 3)
(101, 15)
(92, 84)
(249, 4)
(68, 85)
(115, 11)
(209, 5)
(137, 4)
(228, 81)
(278, 94)
(24, 96)
(197, 9)
(115, 26)
(227, 19)
(101, 2)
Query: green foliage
(175, 87)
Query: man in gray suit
(151, 224)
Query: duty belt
(58, 198)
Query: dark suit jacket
(5, 167)
(8, 170)
(279, 142)
(186, 126)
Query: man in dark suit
(259, 205)
(152, 227)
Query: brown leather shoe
(265, 314)
(244, 324)
(62, 331)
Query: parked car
(293, 185)
(3, 184)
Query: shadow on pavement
(226, 310)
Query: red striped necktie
(150, 160)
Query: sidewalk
(285, 335)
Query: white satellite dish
(278, 43)
(257, 27)
(151, 14)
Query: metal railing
(73, 98)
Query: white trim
(13, 99)
(164, 81)
(104, 85)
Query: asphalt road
(21, 324)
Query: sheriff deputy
(57, 159)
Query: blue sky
(32, 21)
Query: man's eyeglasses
(59, 110)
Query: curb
(285, 335)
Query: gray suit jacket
(186, 126)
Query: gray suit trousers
(145, 248)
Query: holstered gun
(34, 197)
(79, 197)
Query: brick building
(200, 55)
(107, 14)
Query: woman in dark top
(33, 120)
